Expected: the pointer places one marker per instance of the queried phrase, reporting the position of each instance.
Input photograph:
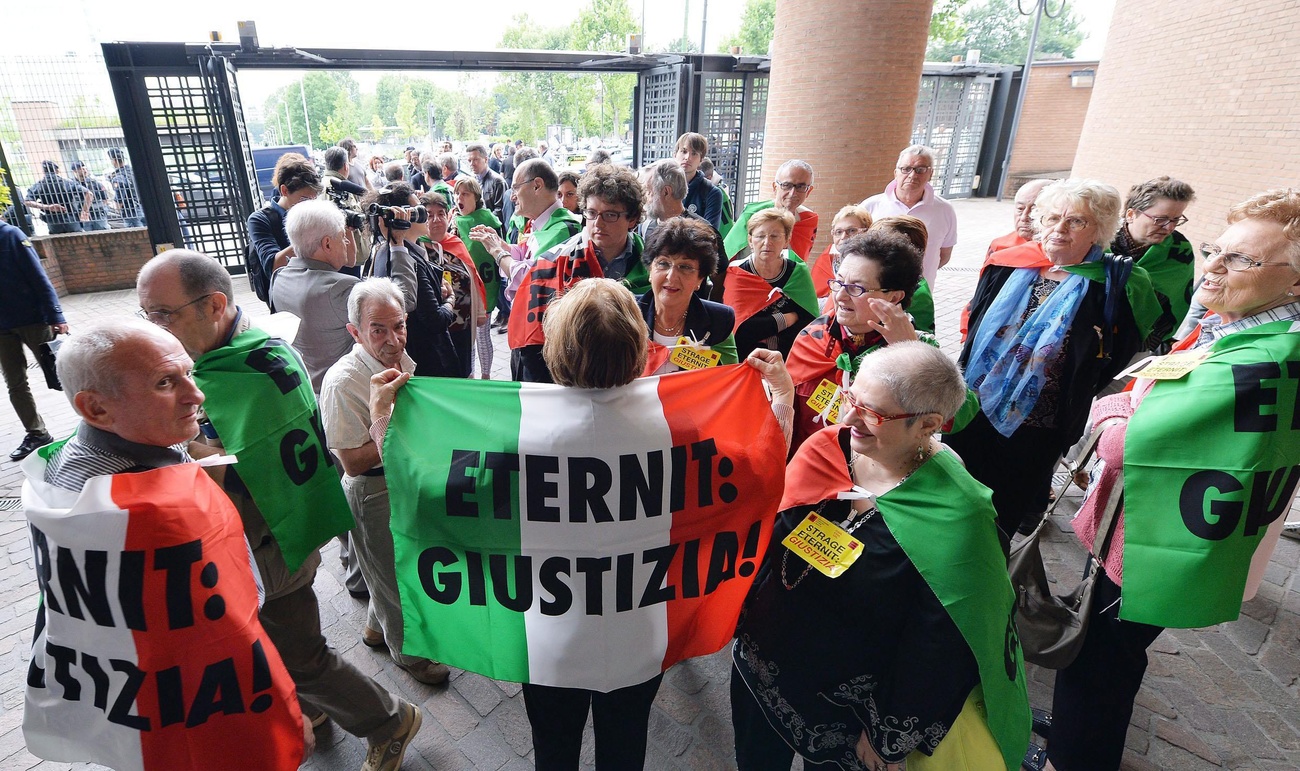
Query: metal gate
(951, 111)
(662, 96)
(732, 114)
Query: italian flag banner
(1210, 461)
(261, 404)
(580, 538)
(148, 653)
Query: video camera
(346, 202)
(418, 215)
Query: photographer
(396, 222)
(296, 179)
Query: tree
(945, 22)
(324, 93)
(410, 122)
(1001, 33)
(757, 24)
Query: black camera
(346, 203)
(418, 215)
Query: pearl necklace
(668, 331)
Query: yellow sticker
(1174, 366)
(824, 545)
(827, 393)
(689, 356)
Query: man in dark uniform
(29, 315)
(124, 190)
(99, 208)
(64, 204)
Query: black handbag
(46, 354)
(1052, 626)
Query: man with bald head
(1023, 219)
(791, 188)
(191, 296)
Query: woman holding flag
(681, 254)
(880, 628)
(1204, 455)
(771, 290)
(1051, 323)
(870, 293)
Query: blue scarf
(1008, 363)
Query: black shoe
(29, 445)
(1035, 759)
(1042, 722)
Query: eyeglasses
(1236, 261)
(870, 416)
(853, 290)
(918, 170)
(1164, 222)
(605, 216)
(519, 185)
(788, 186)
(1073, 223)
(682, 268)
(164, 318)
(845, 232)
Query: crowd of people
(905, 653)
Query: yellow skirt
(969, 746)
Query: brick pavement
(1225, 697)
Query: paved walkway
(1225, 697)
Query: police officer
(64, 204)
(99, 208)
(122, 178)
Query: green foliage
(330, 98)
(597, 104)
(945, 22)
(1001, 34)
(757, 24)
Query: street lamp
(1040, 9)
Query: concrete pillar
(845, 77)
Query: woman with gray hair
(1051, 323)
(912, 655)
(1151, 215)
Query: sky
(51, 29)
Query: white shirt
(345, 398)
(938, 215)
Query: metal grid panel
(188, 122)
(241, 131)
(722, 111)
(951, 111)
(659, 112)
(752, 153)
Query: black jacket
(1087, 369)
(709, 322)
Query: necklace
(850, 525)
(769, 279)
(673, 331)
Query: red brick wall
(843, 92)
(1203, 91)
(95, 261)
(1051, 121)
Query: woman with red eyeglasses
(879, 628)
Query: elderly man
(311, 287)
(702, 197)
(790, 189)
(1023, 220)
(130, 383)
(494, 187)
(450, 170)
(666, 188)
(191, 296)
(378, 325)
(30, 315)
(911, 193)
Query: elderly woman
(398, 254)
(767, 318)
(1154, 208)
(870, 293)
(865, 653)
(1176, 449)
(848, 222)
(681, 254)
(595, 339)
(1050, 326)
(914, 230)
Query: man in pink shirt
(911, 193)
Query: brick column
(845, 76)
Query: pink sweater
(1110, 449)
